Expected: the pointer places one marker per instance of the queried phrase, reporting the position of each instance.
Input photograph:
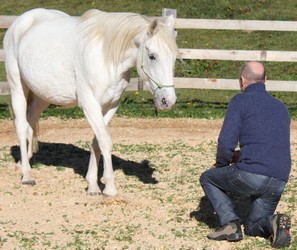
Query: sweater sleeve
(229, 135)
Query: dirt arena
(160, 204)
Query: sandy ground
(157, 165)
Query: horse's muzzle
(165, 103)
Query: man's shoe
(231, 231)
(281, 224)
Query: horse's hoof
(29, 182)
(110, 192)
(94, 193)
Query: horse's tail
(35, 127)
(17, 29)
(11, 42)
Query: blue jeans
(264, 191)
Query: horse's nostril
(164, 103)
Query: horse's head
(156, 60)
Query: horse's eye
(152, 57)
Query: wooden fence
(212, 54)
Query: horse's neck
(130, 59)
(131, 55)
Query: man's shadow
(205, 213)
(70, 156)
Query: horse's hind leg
(35, 106)
(23, 128)
(26, 109)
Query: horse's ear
(170, 22)
(153, 28)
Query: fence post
(139, 84)
(168, 12)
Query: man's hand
(235, 157)
(213, 166)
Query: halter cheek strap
(155, 81)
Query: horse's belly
(52, 90)
(57, 90)
(65, 97)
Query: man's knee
(203, 178)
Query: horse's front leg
(92, 175)
(96, 120)
(105, 145)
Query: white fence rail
(212, 54)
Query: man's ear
(241, 79)
(243, 83)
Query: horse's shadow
(205, 213)
(70, 156)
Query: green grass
(191, 103)
(244, 9)
(197, 103)
(215, 39)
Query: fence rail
(225, 24)
(212, 54)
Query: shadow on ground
(70, 156)
(205, 213)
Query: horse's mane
(117, 31)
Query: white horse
(51, 57)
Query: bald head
(252, 72)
